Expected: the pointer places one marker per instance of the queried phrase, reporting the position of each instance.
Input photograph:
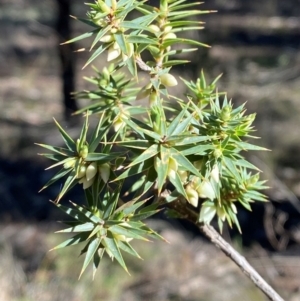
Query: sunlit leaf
(148, 153)
(56, 177)
(125, 246)
(79, 228)
(76, 239)
(92, 249)
(111, 245)
(83, 36)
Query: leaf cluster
(188, 148)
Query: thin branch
(240, 261)
(188, 213)
(142, 64)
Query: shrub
(180, 153)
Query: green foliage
(187, 149)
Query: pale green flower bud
(114, 30)
(226, 113)
(168, 80)
(130, 52)
(101, 22)
(84, 151)
(154, 28)
(252, 180)
(130, 47)
(193, 197)
(195, 182)
(104, 171)
(207, 213)
(115, 45)
(81, 172)
(168, 28)
(119, 122)
(107, 38)
(183, 175)
(86, 184)
(91, 171)
(205, 190)
(217, 153)
(114, 52)
(172, 168)
(215, 174)
(70, 163)
(170, 35)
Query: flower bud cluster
(198, 188)
(164, 31)
(107, 16)
(87, 173)
(115, 52)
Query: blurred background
(256, 45)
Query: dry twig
(187, 213)
(240, 261)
